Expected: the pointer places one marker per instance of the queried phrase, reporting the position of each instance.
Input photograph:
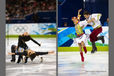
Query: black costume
(32, 56)
(21, 43)
(22, 39)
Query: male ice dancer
(94, 21)
(81, 37)
(22, 46)
(30, 53)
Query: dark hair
(13, 47)
(32, 56)
(86, 13)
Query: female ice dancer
(30, 54)
(81, 37)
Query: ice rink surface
(69, 64)
(35, 68)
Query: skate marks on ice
(35, 68)
(69, 64)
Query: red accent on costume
(93, 35)
(80, 34)
(82, 57)
(85, 50)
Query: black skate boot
(13, 49)
(101, 38)
(94, 48)
(41, 59)
(26, 59)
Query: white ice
(35, 68)
(69, 64)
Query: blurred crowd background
(19, 9)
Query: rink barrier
(35, 36)
(67, 35)
(32, 29)
(73, 49)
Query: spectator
(106, 23)
(21, 8)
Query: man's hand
(39, 44)
(11, 53)
(51, 52)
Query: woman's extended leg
(81, 53)
(84, 47)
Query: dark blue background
(68, 8)
(44, 17)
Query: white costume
(97, 22)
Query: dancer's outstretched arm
(35, 41)
(78, 16)
(44, 53)
(18, 53)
